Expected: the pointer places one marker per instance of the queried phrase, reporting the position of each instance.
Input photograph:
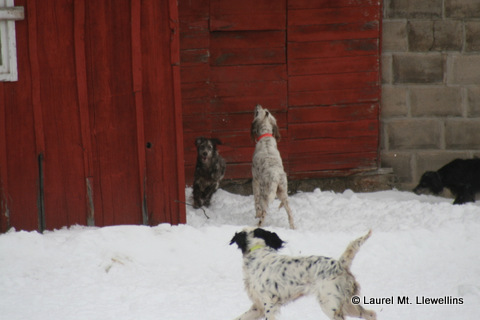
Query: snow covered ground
(422, 247)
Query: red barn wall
(314, 63)
(91, 133)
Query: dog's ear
(276, 132)
(199, 140)
(240, 238)
(253, 130)
(273, 122)
(271, 238)
(216, 141)
(258, 107)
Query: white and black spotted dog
(272, 280)
(209, 171)
(269, 177)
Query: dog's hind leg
(464, 195)
(254, 313)
(265, 195)
(256, 196)
(270, 311)
(331, 306)
(283, 197)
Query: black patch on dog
(240, 238)
(271, 238)
(209, 171)
(461, 177)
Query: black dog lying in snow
(209, 171)
(461, 176)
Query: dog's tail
(352, 249)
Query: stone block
(394, 101)
(464, 70)
(434, 160)
(437, 101)
(394, 36)
(447, 35)
(472, 36)
(386, 68)
(462, 134)
(409, 134)
(418, 68)
(401, 164)
(473, 108)
(420, 35)
(416, 9)
(462, 9)
(438, 35)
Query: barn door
(314, 63)
(333, 86)
(241, 55)
(91, 133)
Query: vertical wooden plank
(137, 91)
(36, 102)
(163, 129)
(177, 97)
(112, 112)
(62, 160)
(82, 92)
(19, 163)
(35, 74)
(196, 88)
(4, 207)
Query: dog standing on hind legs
(269, 177)
(209, 171)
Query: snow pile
(422, 249)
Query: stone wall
(430, 85)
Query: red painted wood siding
(92, 131)
(314, 63)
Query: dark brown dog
(209, 171)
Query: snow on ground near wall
(421, 247)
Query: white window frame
(8, 47)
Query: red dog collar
(264, 135)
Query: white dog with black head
(269, 177)
(272, 280)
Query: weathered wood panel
(334, 97)
(315, 4)
(19, 160)
(349, 112)
(92, 131)
(334, 65)
(247, 15)
(112, 106)
(165, 175)
(333, 85)
(328, 49)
